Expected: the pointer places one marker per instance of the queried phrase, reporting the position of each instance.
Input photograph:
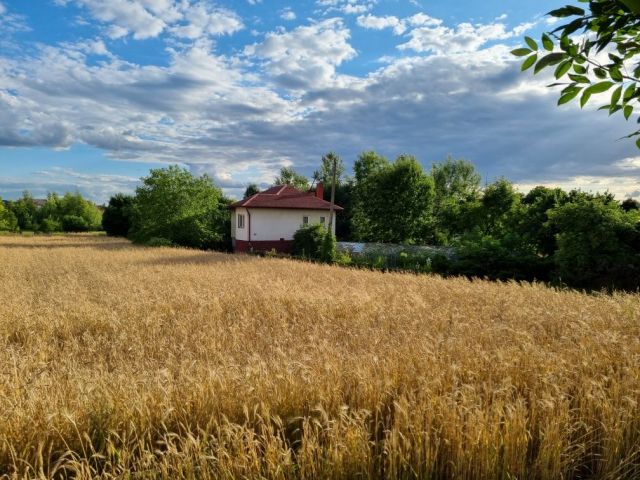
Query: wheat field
(119, 361)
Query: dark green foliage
(251, 189)
(498, 206)
(8, 221)
(159, 242)
(395, 201)
(173, 204)
(308, 241)
(328, 248)
(630, 204)
(598, 245)
(25, 212)
(532, 222)
(288, 176)
(457, 195)
(499, 259)
(82, 214)
(74, 223)
(580, 64)
(116, 219)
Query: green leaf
(520, 52)
(548, 60)
(567, 97)
(615, 96)
(547, 43)
(629, 93)
(579, 78)
(628, 110)
(567, 11)
(563, 68)
(614, 73)
(528, 63)
(600, 72)
(585, 98)
(638, 143)
(532, 43)
(579, 69)
(599, 87)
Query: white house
(268, 220)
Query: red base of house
(281, 246)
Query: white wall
(274, 224)
(240, 233)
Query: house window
(240, 221)
(305, 220)
(322, 220)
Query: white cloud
(380, 23)
(150, 18)
(465, 37)
(3, 9)
(352, 7)
(287, 14)
(307, 56)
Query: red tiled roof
(284, 196)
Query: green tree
(251, 189)
(630, 204)
(598, 244)
(366, 167)
(8, 221)
(457, 193)
(533, 221)
(325, 173)
(71, 213)
(395, 203)
(116, 219)
(288, 176)
(174, 205)
(25, 211)
(498, 207)
(581, 67)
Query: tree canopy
(288, 176)
(603, 58)
(173, 204)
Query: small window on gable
(305, 220)
(240, 221)
(322, 220)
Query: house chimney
(320, 190)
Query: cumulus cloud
(353, 7)
(307, 56)
(287, 14)
(428, 34)
(149, 18)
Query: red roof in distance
(285, 196)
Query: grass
(130, 362)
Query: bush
(74, 223)
(50, 225)
(328, 248)
(116, 219)
(159, 242)
(308, 241)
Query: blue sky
(93, 93)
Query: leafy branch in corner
(594, 53)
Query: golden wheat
(126, 362)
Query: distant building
(268, 220)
